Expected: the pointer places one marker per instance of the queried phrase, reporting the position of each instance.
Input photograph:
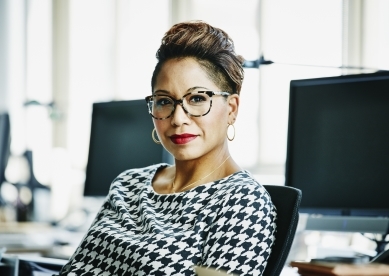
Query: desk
(38, 239)
(340, 268)
(289, 271)
(15, 265)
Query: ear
(233, 104)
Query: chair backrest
(287, 201)
(382, 257)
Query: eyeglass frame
(181, 102)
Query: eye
(163, 101)
(197, 99)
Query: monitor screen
(120, 139)
(338, 144)
(5, 143)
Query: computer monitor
(5, 144)
(338, 151)
(120, 139)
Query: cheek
(217, 121)
(219, 113)
(160, 125)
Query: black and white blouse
(228, 224)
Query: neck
(195, 176)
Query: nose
(179, 116)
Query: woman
(205, 210)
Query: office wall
(375, 37)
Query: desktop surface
(38, 239)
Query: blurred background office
(58, 57)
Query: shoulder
(243, 184)
(137, 173)
(241, 192)
(134, 179)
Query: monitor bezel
(166, 157)
(328, 211)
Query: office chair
(287, 201)
(382, 258)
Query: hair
(211, 47)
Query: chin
(185, 156)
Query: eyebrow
(161, 91)
(196, 87)
(187, 91)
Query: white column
(3, 55)
(375, 40)
(352, 33)
(60, 71)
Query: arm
(240, 239)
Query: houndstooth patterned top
(228, 224)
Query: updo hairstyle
(208, 45)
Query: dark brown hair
(210, 46)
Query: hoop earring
(154, 139)
(233, 137)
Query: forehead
(182, 75)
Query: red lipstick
(181, 139)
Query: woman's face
(187, 137)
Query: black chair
(382, 258)
(287, 201)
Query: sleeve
(81, 247)
(240, 239)
(108, 211)
(81, 250)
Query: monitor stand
(374, 225)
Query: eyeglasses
(195, 104)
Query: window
(112, 56)
(79, 52)
(297, 32)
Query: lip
(181, 139)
